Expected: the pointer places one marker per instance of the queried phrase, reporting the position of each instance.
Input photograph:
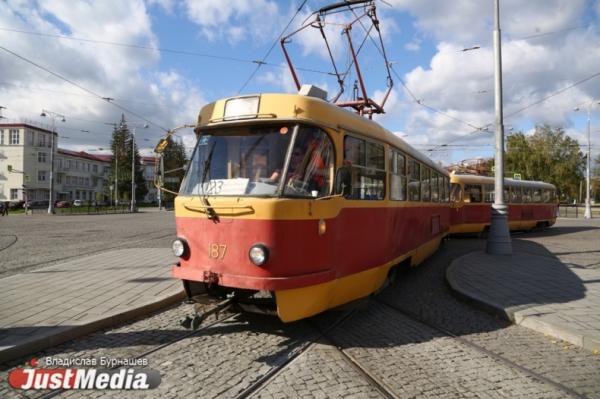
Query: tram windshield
(250, 161)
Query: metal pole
(116, 177)
(588, 208)
(162, 170)
(51, 194)
(132, 207)
(160, 182)
(499, 242)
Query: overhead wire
(264, 59)
(158, 49)
(100, 97)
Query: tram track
(286, 359)
(14, 238)
(478, 348)
(155, 349)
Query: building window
(14, 136)
(1, 137)
(14, 193)
(95, 168)
(42, 157)
(59, 178)
(42, 175)
(30, 137)
(41, 140)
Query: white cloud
(125, 74)
(237, 20)
(461, 84)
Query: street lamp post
(54, 116)
(588, 204)
(499, 242)
(145, 126)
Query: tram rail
(478, 348)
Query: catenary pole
(499, 241)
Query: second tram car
(531, 204)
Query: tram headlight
(179, 247)
(258, 254)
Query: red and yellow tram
(300, 206)
(531, 204)
(296, 199)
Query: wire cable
(107, 99)
(264, 59)
(159, 49)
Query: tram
(531, 204)
(298, 205)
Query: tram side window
(489, 193)
(537, 195)
(527, 195)
(455, 192)
(367, 163)
(516, 196)
(446, 189)
(425, 183)
(435, 187)
(472, 193)
(414, 185)
(442, 183)
(506, 194)
(546, 195)
(397, 176)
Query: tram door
(456, 204)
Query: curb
(62, 334)
(511, 313)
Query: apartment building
(25, 153)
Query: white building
(25, 152)
(148, 163)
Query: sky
(160, 61)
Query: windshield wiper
(210, 212)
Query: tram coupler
(200, 314)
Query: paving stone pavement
(320, 372)
(48, 306)
(417, 361)
(537, 291)
(414, 359)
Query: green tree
(121, 146)
(174, 160)
(547, 155)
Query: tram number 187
(216, 251)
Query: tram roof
(279, 107)
(475, 179)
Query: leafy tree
(174, 160)
(548, 155)
(121, 162)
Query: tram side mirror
(343, 181)
(160, 147)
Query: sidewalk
(48, 306)
(535, 291)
